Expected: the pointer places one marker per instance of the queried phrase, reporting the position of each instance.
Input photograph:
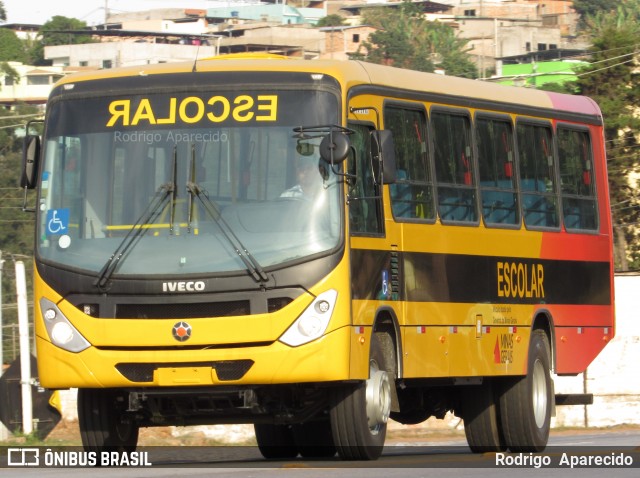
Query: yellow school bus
(316, 247)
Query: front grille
(183, 311)
(225, 369)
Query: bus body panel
(423, 246)
(577, 346)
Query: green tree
(613, 81)
(52, 33)
(589, 9)
(9, 72)
(333, 20)
(16, 226)
(406, 40)
(3, 13)
(11, 47)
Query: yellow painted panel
(326, 359)
(425, 354)
(458, 351)
(360, 346)
(473, 240)
(499, 351)
(171, 377)
(443, 313)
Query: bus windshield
(173, 184)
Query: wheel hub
(378, 399)
(539, 394)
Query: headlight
(61, 332)
(313, 322)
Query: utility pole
(4, 433)
(25, 349)
(1, 329)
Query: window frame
(515, 182)
(429, 171)
(378, 189)
(436, 109)
(559, 126)
(549, 126)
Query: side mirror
(383, 152)
(335, 147)
(30, 161)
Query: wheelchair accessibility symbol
(57, 221)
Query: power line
(32, 115)
(613, 57)
(604, 68)
(635, 46)
(19, 125)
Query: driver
(310, 174)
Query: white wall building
(32, 84)
(114, 54)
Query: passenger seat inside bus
(401, 197)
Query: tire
(526, 402)
(481, 421)
(359, 412)
(103, 421)
(275, 442)
(314, 439)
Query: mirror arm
(25, 208)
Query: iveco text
(190, 286)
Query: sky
(90, 11)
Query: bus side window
(537, 176)
(497, 182)
(451, 137)
(412, 193)
(365, 206)
(579, 208)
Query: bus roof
(353, 73)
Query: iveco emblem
(181, 331)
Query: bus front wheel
(103, 421)
(526, 402)
(359, 412)
(314, 439)
(275, 442)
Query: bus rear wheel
(103, 421)
(526, 402)
(359, 412)
(481, 421)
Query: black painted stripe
(430, 277)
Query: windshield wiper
(149, 215)
(250, 262)
(174, 189)
(192, 180)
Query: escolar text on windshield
(192, 110)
